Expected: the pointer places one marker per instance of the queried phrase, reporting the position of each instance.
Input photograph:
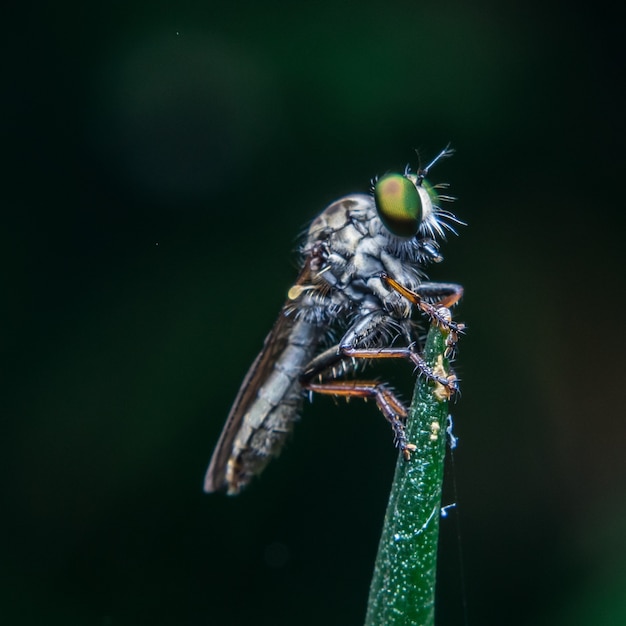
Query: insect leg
(321, 372)
(392, 409)
(449, 382)
(445, 295)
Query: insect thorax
(347, 248)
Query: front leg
(433, 299)
(445, 294)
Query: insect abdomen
(271, 415)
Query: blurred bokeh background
(160, 161)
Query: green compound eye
(398, 204)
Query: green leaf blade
(402, 591)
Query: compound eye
(398, 204)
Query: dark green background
(160, 160)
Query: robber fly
(362, 277)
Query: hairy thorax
(349, 248)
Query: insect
(362, 277)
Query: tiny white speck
(396, 537)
